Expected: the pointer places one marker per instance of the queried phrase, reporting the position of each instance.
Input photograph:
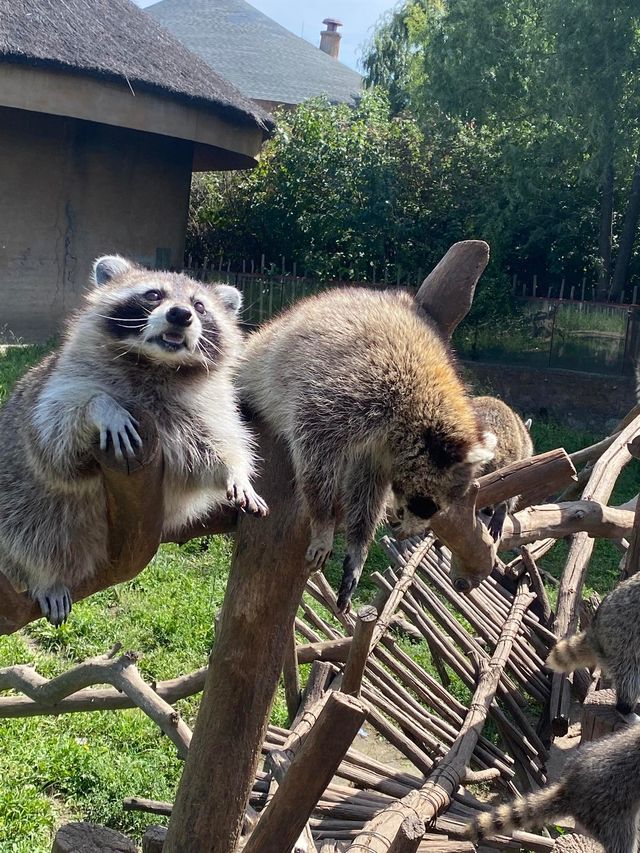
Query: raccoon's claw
(317, 554)
(115, 425)
(350, 576)
(245, 497)
(54, 602)
(495, 528)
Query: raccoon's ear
(483, 450)
(108, 267)
(231, 297)
(527, 424)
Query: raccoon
(611, 642)
(154, 340)
(600, 789)
(366, 395)
(514, 444)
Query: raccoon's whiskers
(140, 320)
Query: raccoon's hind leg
(365, 495)
(317, 473)
(55, 603)
(627, 686)
(619, 834)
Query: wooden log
(133, 491)
(447, 292)
(153, 839)
(536, 585)
(291, 676)
(140, 804)
(327, 650)
(574, 843)
(264, 589)
(436, 794)
(310, 772)
(632, 559)
(317, 684)
(601, 483)
(411, 831)
(90, 838)
(102, 699)
(599, 716)
(559, 520)
(560, 704)
(533, 479)
(121, 672)
(359, 651)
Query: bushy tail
(572, 653)
(530, 812)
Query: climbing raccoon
(366, 395)
(151, 340)
(612, 642)
(600, 789)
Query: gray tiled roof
(263, 59)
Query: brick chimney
(330, 38)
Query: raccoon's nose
(179, 316)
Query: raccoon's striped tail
(572, 653)
(530, 812)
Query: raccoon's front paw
(351, 571)
(55, 603)
(115, 425)
(244, 496)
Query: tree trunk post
(265, 586)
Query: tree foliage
(555, 84)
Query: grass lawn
(81, 766)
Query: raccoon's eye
(153, 295)
(199, 307)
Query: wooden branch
(121, 672)
(310, 772)
(436, 794)
(107, 699)
(291, 676)
(473, 550)
(533, 479)
(447, 292)
(134, 508)
(559, 520)
(327, 650)
(593, 452)
(632, 559)
(536, 585)
(601, 483)
(265, 585)
(359, 651)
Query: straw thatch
(115, 40)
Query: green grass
(81, 766)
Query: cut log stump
(599, 715)
(90, 838)
(153, 839)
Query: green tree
(555, 84)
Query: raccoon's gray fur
(600, 789)
(365, 393)
(154, 340)
(612, 642)
(513, 444)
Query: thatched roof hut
(103, 117)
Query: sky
(304, 18)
